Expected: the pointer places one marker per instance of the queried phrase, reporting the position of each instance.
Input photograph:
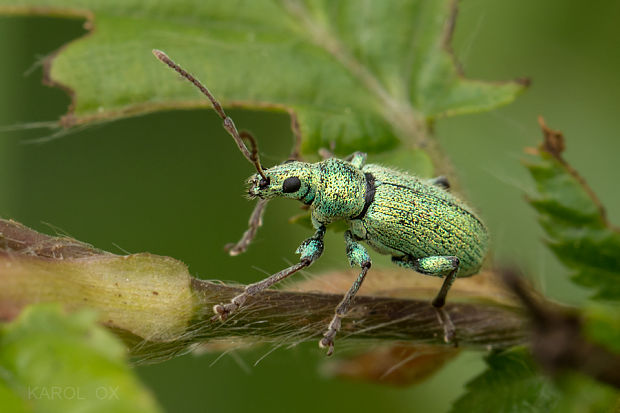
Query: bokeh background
(156, 184)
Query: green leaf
(55, 362)
(511, 383)
(413, 161)
(361, 75)
(583, 394)
(602, 325)
(574, 220)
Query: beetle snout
(257, 184)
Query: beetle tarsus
(328, 338)
(449, 332)
(222, 311)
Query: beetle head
(289, 180)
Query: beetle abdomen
(410, 217)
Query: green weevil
(418, 222)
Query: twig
(160, 310)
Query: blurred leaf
(395, 365)
(558, 343)
(413, 161)
(360, 75)
(54, 362)
(602, 325)
(574, 220)
(511, 383)
(583, 394)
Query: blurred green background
(154, 183)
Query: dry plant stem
(277, 313)
(160, 310)
(558, 340)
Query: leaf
(574, 220)
(583, 394)
(360, 75)
(395, 365)
(602, 325)
(54, 362)
(511, 383)
(412, 161)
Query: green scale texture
(409, 218)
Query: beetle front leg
(256, 220)
(357, 255)
(310, 250)
(439, 266)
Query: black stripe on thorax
(370, 195)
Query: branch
(160, 310)
(559, 342)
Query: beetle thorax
(340, 191)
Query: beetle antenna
(229, 125)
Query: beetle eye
(291, 185)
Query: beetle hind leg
(439, 266)
(440, 181)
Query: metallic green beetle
(418, 222)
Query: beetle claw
(328, 338)
(222, 311)
(327, 342)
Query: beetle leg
(439, 266)
(310, 250)
(440, 181)
(357, 255)
(256, 220)
(325, 153)
(358, 159)
(328, 153)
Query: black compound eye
(291, 185)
